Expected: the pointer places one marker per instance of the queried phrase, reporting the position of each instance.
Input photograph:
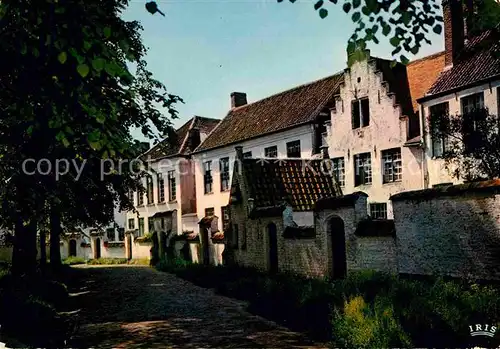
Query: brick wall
(453, 235)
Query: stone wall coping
(338, 201)
(471, 188)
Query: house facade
(169, 201)
(469, 80)
(374, 137)
(288, 125)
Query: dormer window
(320, 131)
(360, 109)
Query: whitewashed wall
(218, 199)
(146, 211)
(437, 172)
(386, 130)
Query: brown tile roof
(422, 74)
(300, 182)
(476, 63)
(281, 111)
(181, 144)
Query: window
(247, 155)
(378, 211)
(131, 196)
(208, 180)
(440, 140)
(209, 212)
(224, 174)
(151, 225)
(293, 149)
(161, 187)
(141, 226)
(472, 113)
(149, 192)
(121, 234)
(271, 152)
(363, 169)
(110, 234)
(339, 170)
(131, 223)
(172, 188)
(320, 132)
(360, 109)
(393, 170)
(225, 217)
(235, 236)
(472, 103)
(140, 198)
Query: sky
(205, 49)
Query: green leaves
(346, 7)
(395, 41)
(323, 13)
(62, 57)
(356, 3)
(318, 5)
(98, 64)
(83, 70)
(356, 16)
(107, 32)
(437, 29)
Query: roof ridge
(289, 90)
(208, 135)
(186, 136)
(434, 55)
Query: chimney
(194, 138)
(454, 34)
(238, 99)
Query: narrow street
(139, 307)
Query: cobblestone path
(139, 307)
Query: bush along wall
(366, 310)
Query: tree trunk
(55, 234)
(24, 254)
(43, 251)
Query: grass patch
(74, 260)
(107, 261)
(366, 310)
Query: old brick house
(169, 203)
(469, 80)
(289, 124)
(374, 138)
(271, 207)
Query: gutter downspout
(425, 170)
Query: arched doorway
(72, 248)
(273, 248)
(339, 259)
(97, 249)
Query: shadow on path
(139, 307)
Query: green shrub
(73, 260)
(107, 261)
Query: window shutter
(365, 111)
(355, 114)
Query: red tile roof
(478, 62)
(290, 108)
(181, 144)
(300, 182)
